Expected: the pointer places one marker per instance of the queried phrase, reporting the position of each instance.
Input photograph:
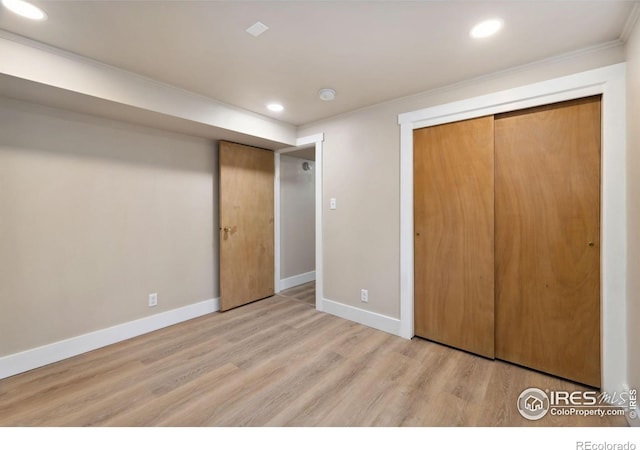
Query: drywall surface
(297, 217)
(94, 216)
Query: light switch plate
(333, 204)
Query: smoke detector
(327, 94)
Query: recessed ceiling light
(25, 9)
(327, 94)
(486, 28)
(257, 29)
(275, 107)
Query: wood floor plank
(151, 412)
(304, 293)
(276, 362)
(397, 404)
(320, 403)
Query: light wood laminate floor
(305, 293)
(276, 362)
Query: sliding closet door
(453, 222)
(548, 239)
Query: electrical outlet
(153, 299)
(364, 295)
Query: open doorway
(311, 145)
(297, 224)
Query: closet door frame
(611, 84)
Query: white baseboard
(41, 356)
(368, 318)
(297, 280)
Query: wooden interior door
(246, 224)
(453, 223)
(548, 239)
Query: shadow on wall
(58, 133)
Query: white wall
(95, 215)
(633, 207)
(361, 170)
(297, 217)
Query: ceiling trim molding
(470, 81)
(630, 23)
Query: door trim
(303, 142)
(608, 81)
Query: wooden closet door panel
(453, 222)
(548, 239)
